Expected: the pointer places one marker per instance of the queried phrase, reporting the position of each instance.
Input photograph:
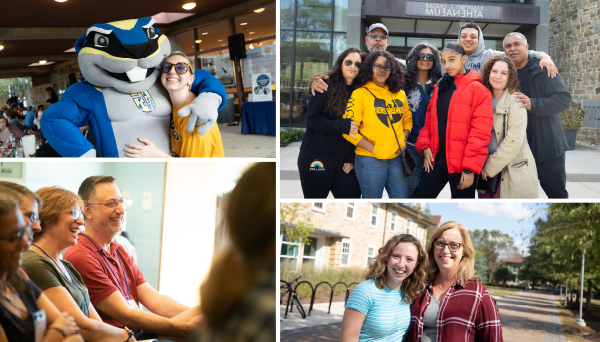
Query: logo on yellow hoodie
(394, 109)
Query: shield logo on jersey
(394, 110)
(144, 101)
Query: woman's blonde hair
(466, 267)
(377, 270)
(56, 200)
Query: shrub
(287, 137)
(573, 116)
(330, 275)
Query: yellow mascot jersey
(373, 122)
(186, 144)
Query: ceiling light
(198, 41)
(42, 62)
(60, 0)
(204, 33)
(189, 5)
(251, 33)
(1, 47)
(223, 45)
(251, 46)
(259, 44)
(259, 10)
(242, 24)
(220, 40)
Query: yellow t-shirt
(186, 144)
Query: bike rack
(290, 297)
(331, 297)
(312, 300)
(348, 293)
(289, 308)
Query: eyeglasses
(349, 63)
(378, 67)
(422, 56)
(33, 217)
(180, 68)
(452, 246)
(112, 203)
(76, 214)
(14, 239)
(378, 36)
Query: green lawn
(574, 332)
(500, 292)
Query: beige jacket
(513, 157)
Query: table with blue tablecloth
(259, 117)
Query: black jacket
(324, 131)
(549, 97)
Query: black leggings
(434, 181)
(318, 181)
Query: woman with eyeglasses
(25, 312)
(326, 159)
(379, 108)
(454, 306)
(177, 77)
(423, 70)
(61, 219)
(457, 130)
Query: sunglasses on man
(378, 36)
(424, 57)
(180, 68)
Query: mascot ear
(79, 43)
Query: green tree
(295, 225)
(503, 274)
(10, 87)
(480, 267)
(495, 247)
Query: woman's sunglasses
(349, 63)
(422, 56)
(180, 68)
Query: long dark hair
(412, 72)
(365, 75)
(338, 93)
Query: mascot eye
(152, 32)
(100, 40)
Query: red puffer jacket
(469, 129)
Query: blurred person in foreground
(243, 308)
(29, 203)
(26, 314)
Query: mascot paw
(203, 112)
(89, 154)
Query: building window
(346, 253)
(288, 256)
(320, 207)
(370, 254)
(408, 225)
(309, 256)
(374, 215)
(393, 222)
(350, 211)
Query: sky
(512, 218)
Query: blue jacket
(418, 100)
(82, 105)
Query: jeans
(553, 177)
(419, 159)
(376, 174)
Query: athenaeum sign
(448, 10)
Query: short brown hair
(512, 84)
(87, 189)
(377, 270)
(20, 192)
(466, 267)
(56, 200)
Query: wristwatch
(130, 334)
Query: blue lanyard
(72, 280)
(128, 297)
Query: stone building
(349, 234)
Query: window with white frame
(350, 211)
(393, 222)
(288, 255)
(320, 207)
(370, 254)
(346, 253)
(374, 216)
(310, 252)
(408, 225)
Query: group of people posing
(422, 296)
(75, 286)
(480, 120)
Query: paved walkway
(583, 174)
(237, 144)
(526, 316)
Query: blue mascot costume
(122, 97)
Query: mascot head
(123, 55)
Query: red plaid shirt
(467, 313)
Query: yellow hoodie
(373, 122)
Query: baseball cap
(378, 25)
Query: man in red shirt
(115, 284)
